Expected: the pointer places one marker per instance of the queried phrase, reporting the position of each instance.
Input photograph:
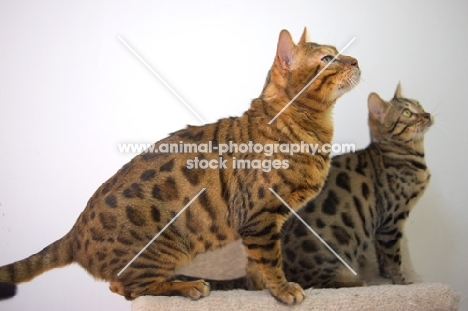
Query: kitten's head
(296, 65)
(399, 120)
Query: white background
(70, 92)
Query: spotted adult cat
(128, 210)
(364, 203)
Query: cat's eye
(407, 113)
(327, 58)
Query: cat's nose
(348, 60)
(354, 62)
(428, 117)
(351, 61)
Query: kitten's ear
(377, 107)
(303, 37)
(284, 52)
(398, 91)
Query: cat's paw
(117, 287)
(400, 279)
(289, 293)
(196, 290)
(193, 289)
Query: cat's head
(399, 120)
(297, 65)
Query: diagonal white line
(315, 233)
(162, 80)
(160, 232)
(313, 79)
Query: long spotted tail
(57, 254)
(7, 290)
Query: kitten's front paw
(400, 279)
(289, 293)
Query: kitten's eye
(407, 113)
(327, 58)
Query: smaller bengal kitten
(365, 201)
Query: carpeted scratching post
(229, 262)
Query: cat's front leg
(387, 248)
(264, 249)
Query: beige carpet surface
(229, 262)
(420, 297)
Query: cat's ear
(398, 91)
(284, 52)
(377, 107)
(303, 37)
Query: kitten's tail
(57, 254)
(238, 283)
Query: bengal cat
(364, 203)
(129, 209)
